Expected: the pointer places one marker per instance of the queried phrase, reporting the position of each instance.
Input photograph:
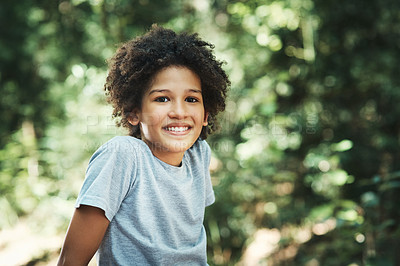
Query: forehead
(175, 78)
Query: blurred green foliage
(306, 166)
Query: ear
(205, 121)
(133, 118)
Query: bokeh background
(306, 166)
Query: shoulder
(200, 150)
(201, 146)
(204, 146)
(120, 147)
(124, 144)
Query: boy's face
(172, 114)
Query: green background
(306, 166)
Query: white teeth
(177, 129)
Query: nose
(177, 111)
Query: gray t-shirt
(155, 210)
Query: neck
(174, 159)
(171, 158)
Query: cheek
(150, 119)
(199, 116)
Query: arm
(84, 235)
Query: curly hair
(136, 63)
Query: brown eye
(191, 99)
(161, 99)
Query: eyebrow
(162, 90)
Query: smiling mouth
(177, 129)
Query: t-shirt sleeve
(109, 176)
(210, 197)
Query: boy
(144, 195)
